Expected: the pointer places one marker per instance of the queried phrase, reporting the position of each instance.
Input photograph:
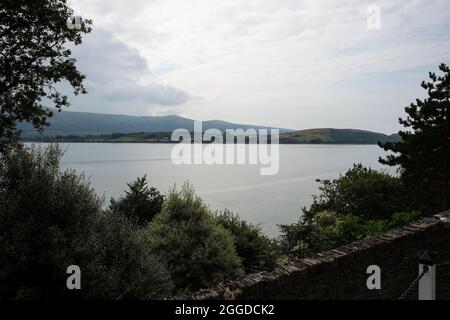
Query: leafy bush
(124, 265)
(51, 219)
(140, 203)
(362, 191)
(198, 250)
(328, 230)
(361, 202)
(256, 250)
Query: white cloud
(299, 64)
(119, 79)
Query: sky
(295, 64)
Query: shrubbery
(362, 191)
(125, 266)
(328, 230)
(361, 202)
(198, 250)
(140, 203)
(138, 249)
(51, 219)
(256, 250)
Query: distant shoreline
(175, 142)
(141, 142)
(310, 136)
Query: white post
(427, 284)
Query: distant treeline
(311, 136)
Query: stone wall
(341, 273)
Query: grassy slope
(314, 136)
(329, 135)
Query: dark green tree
(361, 191)
(256, 250)
(140, 203)
(121, 263)
(198, 250)
(34, 58)
(51, 219)
(328, 230)
(424, 152)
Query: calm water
(264, 200)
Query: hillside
(84, 123)
(329, 135)
(97, 127)
(311, 136)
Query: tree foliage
(424, 152)
(256, 250)
(140, 203)
(50, 220)
(328, 230)
(34, 58)
(198, 250)
(122, 264)
(362, 191)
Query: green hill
(311, 136)
(96, 127)
(329, 135)
(86, 123)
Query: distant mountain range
(97, 127)
(85, 123)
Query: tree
(328, 230)
(121, 262)
(256, 250)
(50, 220)
(140, 203)
(198, 250)
(34, 58)
(424, 152)
(361, 191)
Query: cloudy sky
(289, 63)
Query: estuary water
(263, 200)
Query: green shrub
(361, 202)
(124, 265)
(198, 250)
(257, 251)
(51, 219)
(362, 191)
(328, 230)
(140, 203)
